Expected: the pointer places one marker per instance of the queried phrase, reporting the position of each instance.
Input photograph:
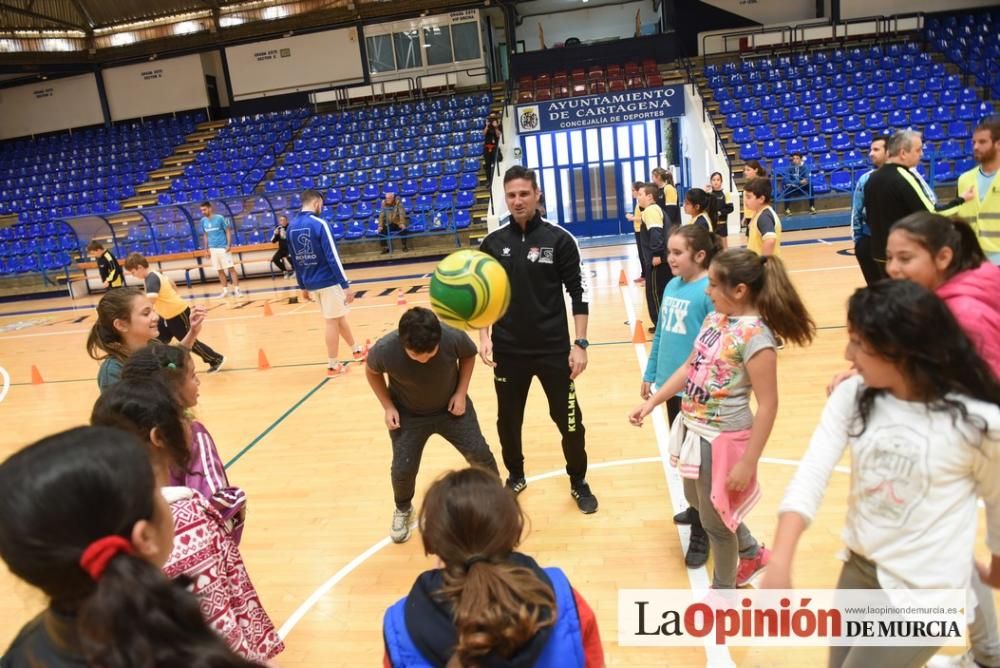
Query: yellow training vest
(168, 303)
(984, 216)
(669, 194)
(755, 240)
(637, 218)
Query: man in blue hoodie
(321, 276)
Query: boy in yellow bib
(764, 231)
(174, 312)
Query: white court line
(717, 656)
(353, 565)
(210, 319)
(808, 271)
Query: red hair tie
(99, 554)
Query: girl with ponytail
(717, 440)
(125, 323)
(944, 256)
(205, 550)
(486, 604)
(81, 519)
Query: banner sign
(596, 110)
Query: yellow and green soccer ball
(470, 290)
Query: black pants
(512, 379)
(642, 256)
(489, 160)
(177, 328)
(408, 443)
(398, 231)
(656, 283)
(869, 268)
(278, 259)
(798, 191)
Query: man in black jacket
(893, 192)
(532, 339)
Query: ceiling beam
(40, 17)
(82, 8)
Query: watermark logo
(791, 617)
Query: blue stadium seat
(750, 151)
(935, 132)
(817, 144)
(772, 149)
(841, 181)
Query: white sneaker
(400, 525)
(223, 294)
(961, 661)
(237, 292)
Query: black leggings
(656, 283)
(177, 328)
(278, 259)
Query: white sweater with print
(915, 478)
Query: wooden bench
(195, 264)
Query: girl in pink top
(717, 439)
(944, 256)
(204, 471)
(204, 549)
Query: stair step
(212, 125)
(191, 147)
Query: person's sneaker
(217, 366)
(812, 209)
(289, 274)
(517, 484)
(651, 330)
(788, 212)
(338, 370)
(237, 292)
(361, 354)
(687, 516)
(961, 661)
(749, 568)
(697, 554)
(223, 294)
(400, 530)
(585, 499)
(638, 279)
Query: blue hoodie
(314, 253)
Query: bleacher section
(253, 168)
(971, 42)
(88, 171)
(594, 80)
(828, 104)
(236, 161)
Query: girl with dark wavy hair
(922, 421)
(486, 604)
(81, 519)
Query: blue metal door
(586, 175)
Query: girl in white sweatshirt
(922, 420)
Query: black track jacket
(539, 261)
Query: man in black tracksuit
(532, 339)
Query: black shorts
(722, 228)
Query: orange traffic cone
(36, 376)
(267, 310)
(262, 363)
(400, 299)
(639, 335)
(622, 279)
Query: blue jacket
(794, 174)
(559, 646)
(313, 253)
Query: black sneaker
(217, 366)
(585, 499)
(516, 485)
(697, 554)
(687, 516)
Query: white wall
(698, 145)
(48, 106)
(850, 9)
(156, 87)
(593, 23)
(211, 63)
(293, 64)
(772, 11)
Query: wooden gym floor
(313, 453)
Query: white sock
(332, 362)
(357, 348)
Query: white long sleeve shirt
(915, 478)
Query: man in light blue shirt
(797, 183)
(859, 225)
(217, 233)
